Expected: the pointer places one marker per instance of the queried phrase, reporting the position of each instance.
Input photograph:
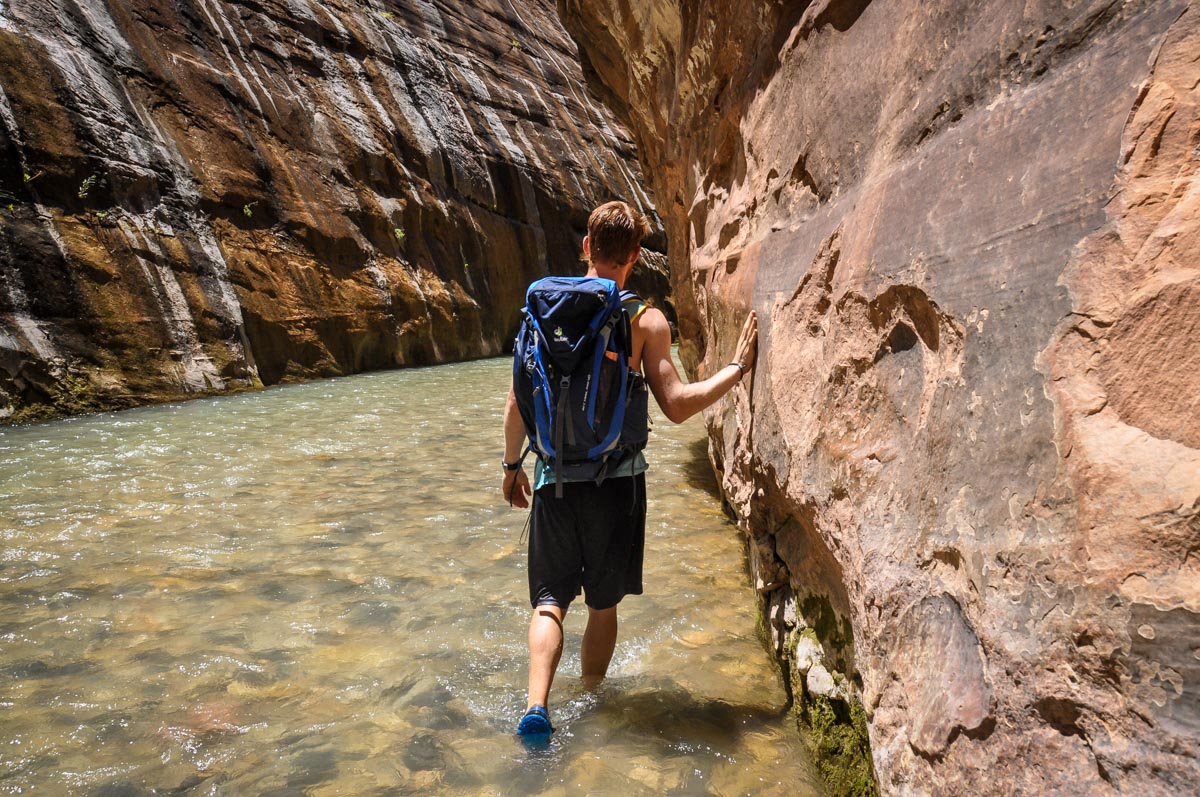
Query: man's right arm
(515, 486)
(678, 399)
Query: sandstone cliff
(969, 463)
(205, 195)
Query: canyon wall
(969, 461)
(209, 194)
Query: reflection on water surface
(313, 590)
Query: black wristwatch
(510, 466)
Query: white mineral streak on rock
(582, 146)
(530, 150)
(425, 140)
(275, 44)
(636, 193)
(198, 371)
(257, 60)
(528, 197)
(8, 343)
(241, 54)
(447, 121)
(215, 277)
(378, 277)
(229, 304)
(52, 229)
(547, 109)
(10, 124)
(302, 9)
(90, 81)
(30, 329)
(232, 62)
(418, 276)
(108, 36)
(228, 301)
(337, 23)
(467, 73)
(432, 17)
(352, 119)
(539, 232)
(368, 93)
(596, 118)
(380, 280)
(302, 96)
(28, 326)
(5, 22)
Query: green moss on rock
(837, 734)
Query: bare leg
(599, 640)
(545, 649)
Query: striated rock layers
(969, 464)
(203, 195)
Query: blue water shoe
(536, 722)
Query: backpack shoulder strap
(634, 305)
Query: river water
(315, 590)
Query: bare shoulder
(651, 324)
(651, 337)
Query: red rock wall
(207, 195)
(969, 465)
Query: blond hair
(615, 230)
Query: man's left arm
(680, 400)
(515, 489)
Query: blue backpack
(584, 409)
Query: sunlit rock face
(970, 458)
(210, 195)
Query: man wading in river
(588, 520)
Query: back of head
(615, 230)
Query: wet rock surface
(968, 465)
(206, 196)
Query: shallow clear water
(316, 590)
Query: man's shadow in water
(698, 471)
(659, 716)
(671, 717)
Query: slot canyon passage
(968, 466)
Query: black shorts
(591, 538)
